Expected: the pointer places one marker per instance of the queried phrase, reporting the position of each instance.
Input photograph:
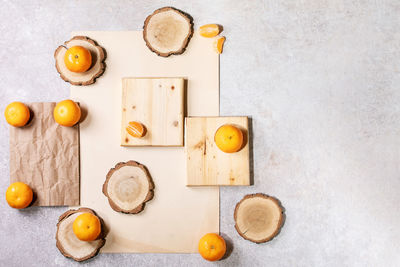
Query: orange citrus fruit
(78, 59)
(209, 30)
(219, 44)
(19, 195)
(212, 247)
(136, 129)
(17, 114)
(229, 138)
(87, 227)
(67, 113)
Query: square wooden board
(206, 163)
(157, 103)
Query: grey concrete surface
(320, 80)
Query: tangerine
(229, 138)
(67, 113)
(219, 44)
(17, 114)
(136, 129)
(209, 30)
(78, 59)
(87, 227)
(212, 247)
(19, 195)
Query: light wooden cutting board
(178, 216)
(206, 163)
(158, 104)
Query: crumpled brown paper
(45, 155)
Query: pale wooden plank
(206, 163)
(157, 103)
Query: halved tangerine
(136, 129)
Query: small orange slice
(219, 44)
(136, 129)
(210, 30)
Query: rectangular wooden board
(45, 155)
(158, 104)
(177, 217)
(206, 163)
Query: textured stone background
(320, 80)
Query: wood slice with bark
(67, 242)
(84, 78)
(167, 31)
(128, 187)
(258, 217)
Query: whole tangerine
(19, 195)
(77, 59)
(229, 138)
(67, 113)
(17, 114)
(212, 247)
(87, 227)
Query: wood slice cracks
(95, 71)
(69, 245)
(167, 31)
(258, 217)
(128, 187)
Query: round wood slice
(128, 187)
(167, 31)
(84, 78)
(67, 242)
(258, 217)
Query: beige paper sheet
(45, 156)
(178, 216)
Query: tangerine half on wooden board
(136, 129)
